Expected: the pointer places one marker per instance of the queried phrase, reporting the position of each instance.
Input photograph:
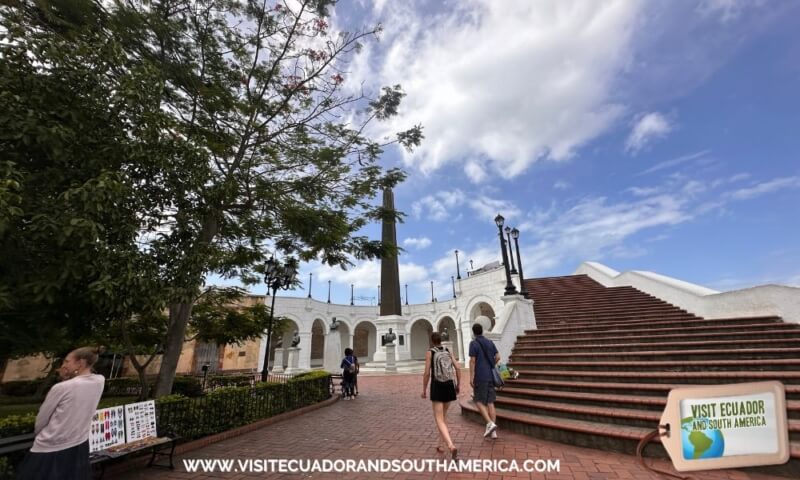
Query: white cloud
(648, 127)
(766, 187)
(561, 185)
(726, 10)
(367, 274)
(675, 161)
(417, 243)
(446, 204)
(454, 66)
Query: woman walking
(442, 370)
(61, 448)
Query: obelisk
(390, 309)
(390, 275)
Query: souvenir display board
(140, 420)
(108, 429)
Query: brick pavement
(389, 420)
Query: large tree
(235, 139)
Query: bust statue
(296, 339)
(279, 343)
(389, 338)
(445, 335)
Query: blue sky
(653, 135)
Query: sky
(657, 135)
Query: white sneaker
(490, 428)
(494, 434)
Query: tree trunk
(51, 378)
(179, 318)
(144, 392)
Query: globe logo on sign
(703, 442)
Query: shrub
(20, 388)
(216, 381)
(17, 425)
(187, 386)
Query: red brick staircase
(597, 371)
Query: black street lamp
(515, 236)
(432, 299)
(458, 269)
(329, 291)
(379, 294)
(510, 288)
(406, 294)
(510, 251)
(276, 276)
(352, 297)
(310, 276)
(453, 281)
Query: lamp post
(458, 269)
(515, 236)
(453, 281)
(379, 294)
(310, 276)
(352, 297)
(329, 291)
(510, 288)
(275, 276)
(510, 251)
(406, 294)
(432, 299)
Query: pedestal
(391, 366)
(277, 362)
(449, 346)
(294, 358)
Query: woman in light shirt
(61, 448)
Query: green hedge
(17, 425)
(229, 407)
(216, 381)
(20, 388)
(218, 411)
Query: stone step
(676, 355)
(629, 306)
(403, 366)
(624, 401)
(594, 319)
(635, 347)
(776, 332)
(702, 330)
(688, 378)
(602, 436)
(616, 412)
(770, 364)
(656, 322)
(659, 321)
(630, 388)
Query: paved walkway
(389, 420)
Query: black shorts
(484, 392)
(443, 391)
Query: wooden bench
(16, 443)
(158, 446)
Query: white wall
(763, 300)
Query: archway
(420, 338)
(317, 343)
(484, 309)
(365, 338)
(448, 323)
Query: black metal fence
(229, 407)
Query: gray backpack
(442, 364)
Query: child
(349, 370)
